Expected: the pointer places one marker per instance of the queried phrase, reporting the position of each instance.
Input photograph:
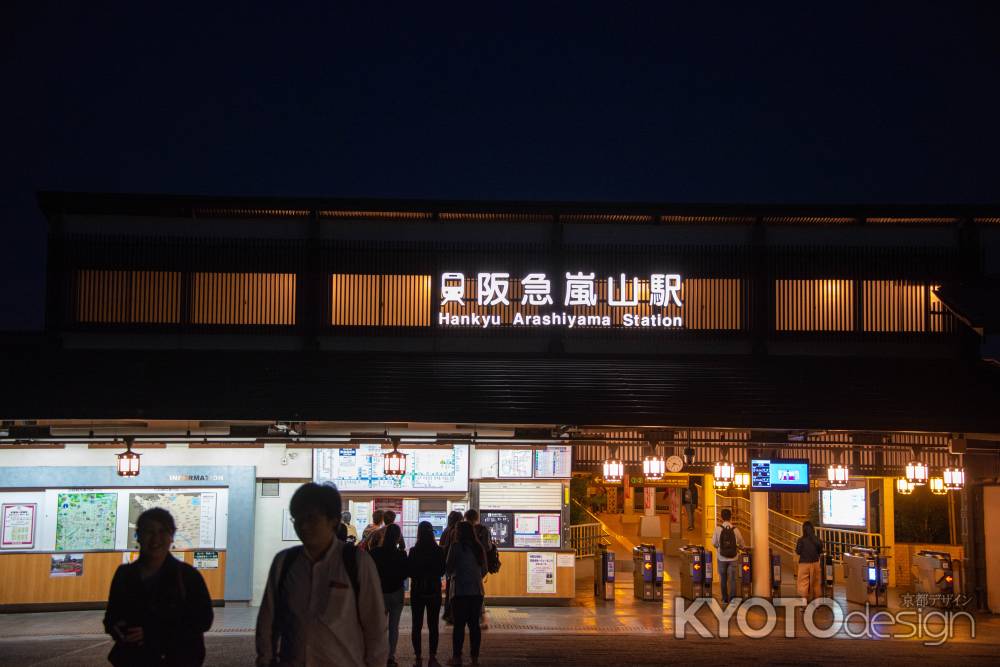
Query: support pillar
(760, 544)
(707, 502)
(627, 490)
(889, 527)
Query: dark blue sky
(563, 101)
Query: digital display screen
(786, 475)
(361, 469)
(871, 574)
(843, 507)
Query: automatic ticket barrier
(935, 573)
(866, 576)
(745, 588)
(696, 572)
(647, 572)
(775, 562)
(826, 563)
(604, 578)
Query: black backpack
(484, 535)
(727, 542)
(492, 558)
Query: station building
(242, 346)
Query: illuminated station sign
(628, 302)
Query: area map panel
(361, 469)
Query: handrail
(583, 508)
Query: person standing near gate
(727, 541)
(690, 501)
(809, 547)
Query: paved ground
(623, 632)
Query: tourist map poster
(86, 521)
(361, 469)
(194, 513)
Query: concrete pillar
(649, 500)
(627, 490)
(707, 502)
(889, 527)
(760, 544)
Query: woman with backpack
(809, 548)
(393, 568)
(426, 567)
(447, 537)
(466, 567)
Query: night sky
(545, 101)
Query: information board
(515, 463)
(438, 519)
(554, 461)
(501, 525)
(537, 529)
(361, 469)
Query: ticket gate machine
(775, 562)
(604, 578)
(935, 573)
(696, 572)
(745, 587)
(826, 564)
(866, 576)
(647, 573)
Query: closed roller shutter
(520, 496)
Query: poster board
(514, 463)
(501, 526)
(541, 572)
(103, 519)
(18, 525)
(555, 461)
(538, 529)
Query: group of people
(728, 540)
(327, 602)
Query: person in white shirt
(323, 600)
(727, 541)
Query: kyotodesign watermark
(822, 618)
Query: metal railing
(838, 540)
(586, 537)
(784, 531)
